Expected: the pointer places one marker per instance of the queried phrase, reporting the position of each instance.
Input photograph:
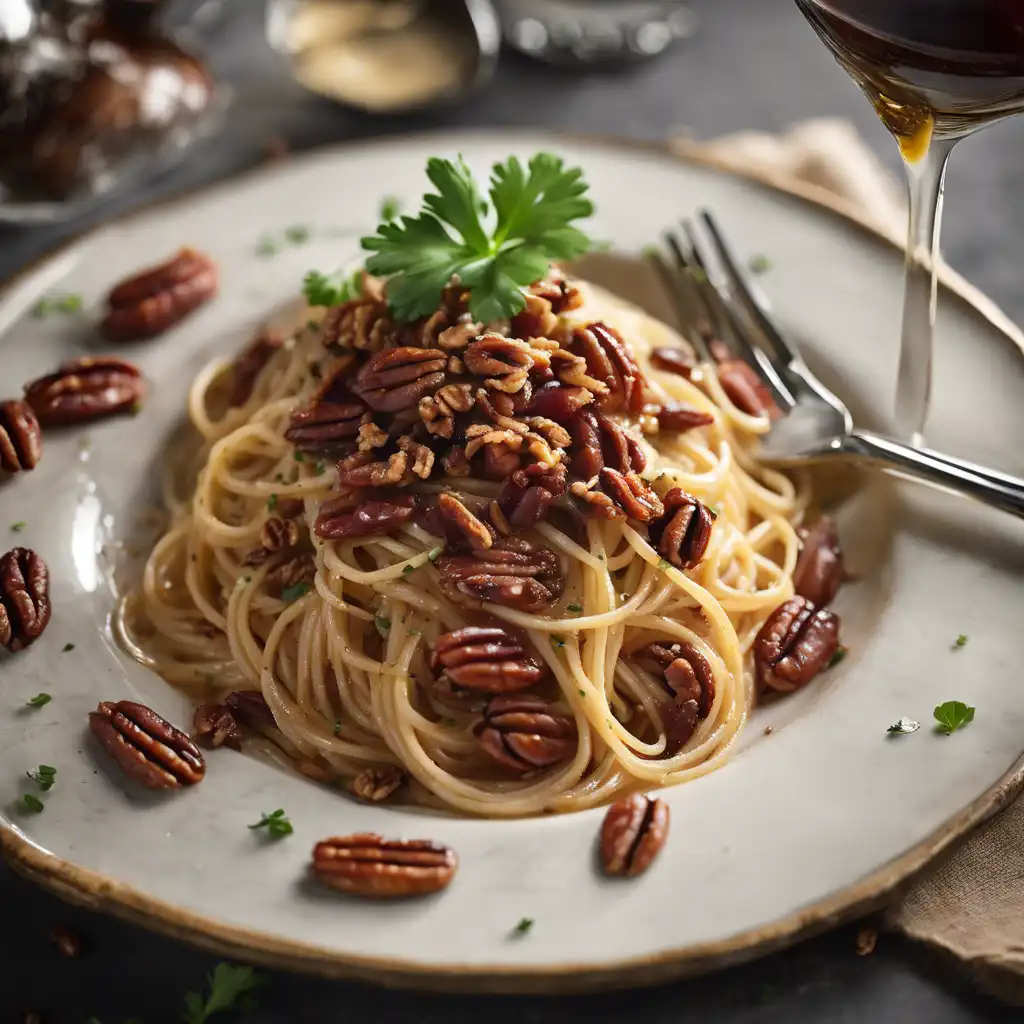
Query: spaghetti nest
(524, 564)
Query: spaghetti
(340, 634)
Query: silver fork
(716, 298)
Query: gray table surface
(755, 64)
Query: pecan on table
(147, 748)
(86, 389)
(215, 726)
(610, 360)
(339, 517)
(683, 533)
(620, 494)
(24, 598)
(819, 569)
(598, 441)
(529, 493)
(153, 301)
(484, 659)
(397, 378)
(504, 363)
(678, 417)
(21, 440)
(524, 733)
(367, 865)
(247, 367)
(673, 359)
(512, 572)
(559, 402)
(377, 784)
(690, 682)
(633, 833)
(796, 643)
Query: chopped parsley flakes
(293, 593)
(523, 927)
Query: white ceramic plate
(819, 819)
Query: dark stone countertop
(754, 64)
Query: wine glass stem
(926, 178)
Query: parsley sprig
(276, 824)
(953, 715)
(231, 988)
(495, 257)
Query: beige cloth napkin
(971, 905)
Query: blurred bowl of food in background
(93, 94)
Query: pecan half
(215, 726)
(525, 734)
(529, 493)
(610, 361)
(245, 370)
(679, 361)
(147, 747)
(338, 518)
(598, 441)
(689, 680)
(367, 865)
(325, 427)
(683, 533)
(679, 417)
(21, 440)
(459, 526)
(276, 535)
(362, 470)
(742, 384)
(504, 363)
(299, 568)
(512, 572)
(633, 833)
(559, 402)
(397, 378)
(155, 300)
(250, 708)
(24, 598)
(86, 389)
(377, 784)
(819, 569)
(628, 495)
(485, 659)
(795, 644)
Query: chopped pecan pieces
(438, 412)
(397, 378)
(362, 470)
(796, 643)
(537, 320)
(367, 865)
(559, 402)
(147, 747)
(558, 291)
(377, 784)
(529, 493)
(610, 361)
(421, 456)
(24, 598)
(512, 572)
(621, 494)
(634, 832)
(340, 518)
(525, 733)
(364, 323)
(819, 569)
(21, 440)
(249, 365)
(86, 389)
(683, 533)
(155, 300)
(679, 361)
(485, 659)
(460, 526)
(504, 363)
(215, 726)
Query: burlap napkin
(971, 905)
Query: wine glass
(935, 71)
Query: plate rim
(99, 892)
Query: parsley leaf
(532, 208)
(40, 700)
(953, 715)
(524, 926)
(67, 647)
(760, 264)
(290, 594)
(574, 607)
(44, 776)
(32, 804)
(390, 208)
(229, 986)
(961, 640)
(276, 824)
(904, 727)
(18, 526)
(321, 290)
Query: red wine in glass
(935, 71)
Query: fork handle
(999, 490)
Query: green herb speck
(841, 653)
(337, 727)
(290, 594)
(276, 824)
(298, 234)
(760, 264)
(272, 502)
(961, 640)
(18, 526)
(44, 776)
(383, 625)
(32, 804)
(298, 456)
(524, 926)
(390, 208)
(575, 608)
(40, 700)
